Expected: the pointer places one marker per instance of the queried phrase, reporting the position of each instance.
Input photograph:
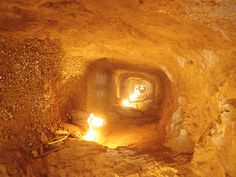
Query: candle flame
(132, 97)
(126, 103)
(94, 122)
(90, 135)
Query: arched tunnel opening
(134, 88)
(130, 98)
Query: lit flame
(94, 122)
(132, 97)
(91, 135)
(126, 103)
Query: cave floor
(87, 159)
(77, 158)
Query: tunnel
(117, 88)
(126, 95)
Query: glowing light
(94, 122)
(140, 88)
(91, 135)
(134, 96)
(126, 103)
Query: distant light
(140, 88)
(126, 103)
(134, 96)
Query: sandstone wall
(45, 47)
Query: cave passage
(117, 88)
(130, 98)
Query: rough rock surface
(79, 158)
(45, 47)
(89, 159)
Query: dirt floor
(85, 159)
(46, 48)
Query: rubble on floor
(87, 159)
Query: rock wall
(46, 45)
(29, 78)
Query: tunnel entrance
(131, 99)
(114, 86)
